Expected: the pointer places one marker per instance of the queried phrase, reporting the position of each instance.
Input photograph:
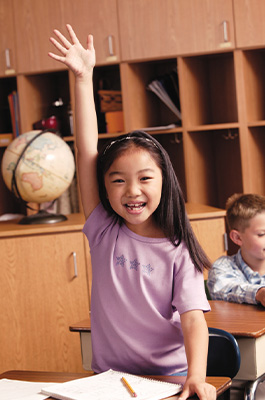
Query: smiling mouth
(135, 207)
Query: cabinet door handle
(110, 43)
(7, 57)
(75, 264)
(225, 30)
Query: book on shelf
(13, 102)
(166, 87)
(112, 385)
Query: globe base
(42, 217)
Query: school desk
(247, 323)
(221, 383)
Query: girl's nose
(133, 189)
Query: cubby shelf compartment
(7, 86)
(254, 81)
(105, 78)
(37, 92)
(256, 145)
(213, 166)
(142, 108)
(208, 89)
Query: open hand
(80, 60)
(204, 390)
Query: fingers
(56, 57)
(63, 39)
(204, 392)
(90, 44)
(184, 395)
(58, 46)
(66, 45)
(72, 34)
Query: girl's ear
(235, 237)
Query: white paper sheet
(108, 386)
(11, 389)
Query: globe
(38, 166)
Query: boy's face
(252, 240)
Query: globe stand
(42, 217)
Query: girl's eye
(146, 178)
(261, 234)
(118, 181)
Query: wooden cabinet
(7, 39)
(249, 23)
(42, 292)
(37, 19)
(156, 29)
(208, 224)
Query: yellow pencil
(128, 386)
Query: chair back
(223, 354)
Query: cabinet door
(40, 298)
(37, 19)
(100, 18)
(156, 28)
(249, 22)
(7, 39)
(34, 23)
(211, 236)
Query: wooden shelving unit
(219, 147)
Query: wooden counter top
(75, 222)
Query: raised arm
(82, 61)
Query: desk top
(242, 320)
(81, 326)
(221, 383)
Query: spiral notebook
(109, 386)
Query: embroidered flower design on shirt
(147, 269)
(134, 264)
(121, 261)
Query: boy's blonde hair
(240, 208)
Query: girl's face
(134, 186)
(253, 240)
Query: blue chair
(223, 355)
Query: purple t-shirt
(140, 287)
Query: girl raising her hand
(148, 297)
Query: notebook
(109, 386)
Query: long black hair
(171, 214)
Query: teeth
(135, 205)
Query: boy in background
(240, 278)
